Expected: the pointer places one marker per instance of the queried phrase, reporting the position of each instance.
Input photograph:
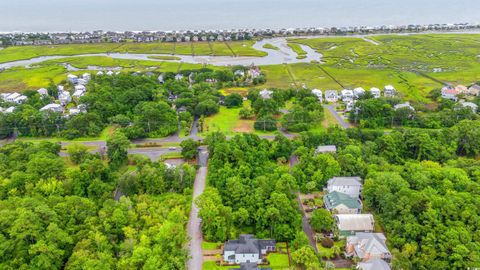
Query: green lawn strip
(301, 54)
(172, 155)
(210, 245)
(211, 265)
(278, 261)
(270, 46)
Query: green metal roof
(334, 199)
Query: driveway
(194, 223)
(339, 119)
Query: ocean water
(119, 15)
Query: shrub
(327, 242)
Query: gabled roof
(355, 222)
(334, 199)
(326, 148)
(373, 243)
(345, 181)
(246, 244)
(375, 264)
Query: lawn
(227, 121)
(278, 261)
(210, 245)
(328, 252)
(329, 120)
(20, 78)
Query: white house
(389, 91)
(72, 78)
(100, 73)
(352, 186)
(347, 94)
(78, 94)
(403, 105)
(470, 105)
(10, 97)
(178, 77)
(331, 96)
(449, 92)
(349, 224)
(247, 249)
(375, 92)
(42, 92)
(81, 88)
(64, 98)
(318, 93)
(349, 104)
(321, 149)
(20, 99)
(474, 90)
(52, 107)
(9, 110)
(82, 81)
(266, 94)
(87, 76)
(60, 89)
(357, 92)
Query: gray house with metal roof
(247, 249)
(352, 186)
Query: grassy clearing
(21, 78)
(329, 120)
(225, 121)
(278, 261)
(210, 245)
(230, 90)
(243, 48)
(270, 47)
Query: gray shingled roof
(246, 244)
(375, 264)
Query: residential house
(341, 203)
(368, 246)
(266, 94)
(72, 78)
(100, 73)
(347, 95)
(19, 99)
(110, 73)
(331, 96)
(325, 149)
(349, 224)
(52, 107)
(349, 104)
(42, 92)
(403, 105)
(247, 249)
(474, 90)
(318, 93)
(82, 81)
(78, 94)
(81, 88)
(87, 76)
(178, 77)
(375, 264)
(352, 186)
(60, 89)
(470, 105)
(161, 78)
(389, 91)
(9, 109)
(461, 89)
(375, 92)
(10, 97)
(64, 98)
(239, 73)
(448, 92)
(357, 92)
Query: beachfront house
(375, 92)
(389, 91)
(247, 249)
(52, 108)
(403, 105)
(471, 105)
(322, 149)
(357, 92)
(331, 96)
(347, 95)
(341, 203)
(349, 224)
(318, 93)
(352, 186)
(375, 264)
(449, 92)
(368, 246)
(72, 78)
(266, 94)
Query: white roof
(345, 181)
(374, 89)
(9, 110)
(71, 76)
(78, 93)
(20, 98)
(331, 92)
(389, 87)
(317, 91)
(374, 264)
(51, 107)
(80, 88)
(469, 104)
(100, 73)
(359, 90)
(347, 92)
(13, 96)
(43, 91)
(403, 105)
(326, 148)
(355, 222)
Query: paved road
(307, 229)
(194, 222)
(340, 120)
